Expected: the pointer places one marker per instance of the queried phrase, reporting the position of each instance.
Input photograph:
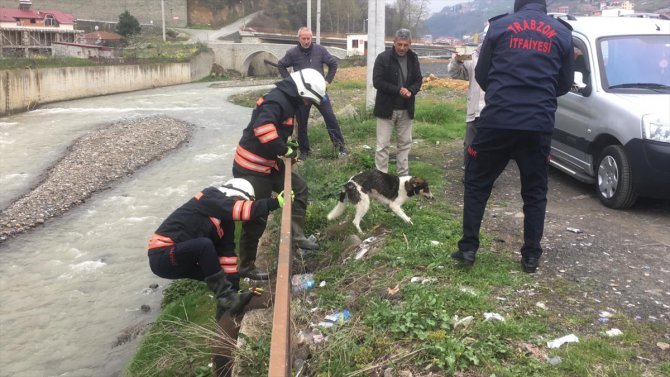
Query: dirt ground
(620, 259)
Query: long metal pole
(163, 17)
(309, 14)
(318, 21)
(280, 344)
(376, 32)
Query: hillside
(470, 17)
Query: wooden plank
(280, 346)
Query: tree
(128, 25)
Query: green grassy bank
(438, 326)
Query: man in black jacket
(309, 55)
(526, 61)
(397, 77)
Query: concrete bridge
(250, 59)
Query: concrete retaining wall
(25, 89)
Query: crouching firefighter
(258, 159)
(197, 242)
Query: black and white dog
(389, 189)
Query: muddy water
(70, 289)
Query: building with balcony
(25, 32)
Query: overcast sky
(437, 5)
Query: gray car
(613, 128)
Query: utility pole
(309, 14)
(376, 32)
(318, 22)
(163, 17)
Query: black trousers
(332, 126)
(489, 154)
(252, 230)
(192, 259)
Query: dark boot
(226, 297)
(530, 264)
(466, 258)
(298, 234)
(252, 272)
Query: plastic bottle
(302, 282)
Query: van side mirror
(580, 86)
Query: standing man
(309, 55)
(258, 160)
(397, 78)
(526, 62)
(462, 67)
(197, 240)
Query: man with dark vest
(307, 54)
(526, 61)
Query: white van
(613, 128)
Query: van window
(632, 60)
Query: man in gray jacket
(309, 55)
(462, 67)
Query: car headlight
(656, 127)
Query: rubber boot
(298, 234)
(254, 273)
(226, 297)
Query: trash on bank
(554, 360)
(574, 230)
(613, 332)
(493, 316)
(335, 318)
(556, 343)
(302, 282)
(364, 247)
(422, 280)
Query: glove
(280, 198)
(292, 143)
(290, 152)
(256, 291)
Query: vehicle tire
(614, 182)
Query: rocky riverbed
(90, 164)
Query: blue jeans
(326, 110)
(489, 154)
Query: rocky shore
(91, 164)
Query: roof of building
(14, 14)
(84, 45)
(102, 35)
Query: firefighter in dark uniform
(258, 159)
(526, 61)
(197, 242)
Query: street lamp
(163, 17)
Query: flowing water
(72, 287)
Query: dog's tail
(350, 192)
(339, 208)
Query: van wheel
(615, 178)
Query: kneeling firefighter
(197, 242)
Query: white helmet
(310, 83)
(238, 187)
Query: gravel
(91, 164)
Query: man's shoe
(303, 156)
(306, 243)
(466, 258)
(343, 151)
(254, 273)
(530, 264)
